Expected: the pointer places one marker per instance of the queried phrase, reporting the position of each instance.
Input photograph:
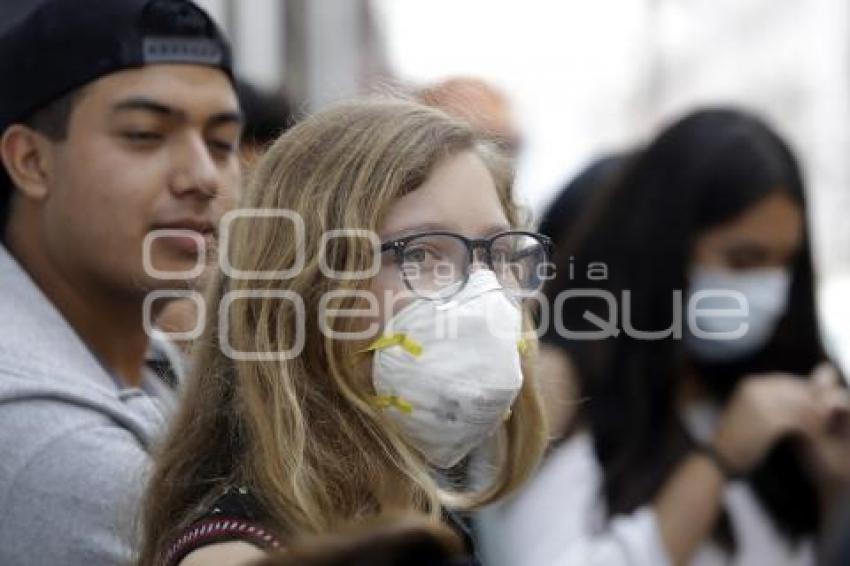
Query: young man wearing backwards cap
(118, 119)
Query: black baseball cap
(49, 48)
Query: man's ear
(27, 156)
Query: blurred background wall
(586, 77)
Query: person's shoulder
(231, 553)
(71, 495)
(31, 414)
(34, 418)
(34, 409)
(233, 517)
(91, 453)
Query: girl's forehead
(459, 196)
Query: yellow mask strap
(387, 401)
(523, 346)
(409, 345)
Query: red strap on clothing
(219, 529)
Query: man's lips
(203, 227)
(186, 235)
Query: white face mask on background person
(766, 294)
(447, 373)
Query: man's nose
(195, 169)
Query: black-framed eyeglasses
(437, 265)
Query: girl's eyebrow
(418, 228)
(494, 229)
(488, 231)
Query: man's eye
(222, 146)
(141, 136)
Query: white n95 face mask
(766, 294)
(446, 374)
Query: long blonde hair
(301, 433)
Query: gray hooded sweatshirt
(74, 443)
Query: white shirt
(559, 519)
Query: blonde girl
(375, 413)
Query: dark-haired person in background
(559, 222)
(117, 119)
(268, 113)
(572, 202)
(685, 448)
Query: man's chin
(175, 266)
(163, 288)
